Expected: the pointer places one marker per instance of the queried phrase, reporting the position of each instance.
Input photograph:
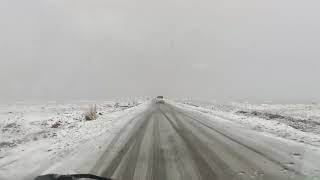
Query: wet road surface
(168, 143)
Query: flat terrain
(175, 141)
(168, 142)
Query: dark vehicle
(159, 100)
(69, 177)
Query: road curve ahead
(166, 142)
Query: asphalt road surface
(166, 142)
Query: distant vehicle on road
(159, 100)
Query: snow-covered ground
(297, 122)
(44, 138)
(35, 137)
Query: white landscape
(35, 138)
(159, 90)
(49, 138)
(297, 122)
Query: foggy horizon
(206, 50)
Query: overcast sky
(245, 50)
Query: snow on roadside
(283, 126)
(299, 111)
(36, 137)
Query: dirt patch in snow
(305, 125)
(7, 144)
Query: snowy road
(168, 142)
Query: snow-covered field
(45, 138)
(35, 137)
(297, 122)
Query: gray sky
(204, 49)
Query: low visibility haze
(215, 50)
